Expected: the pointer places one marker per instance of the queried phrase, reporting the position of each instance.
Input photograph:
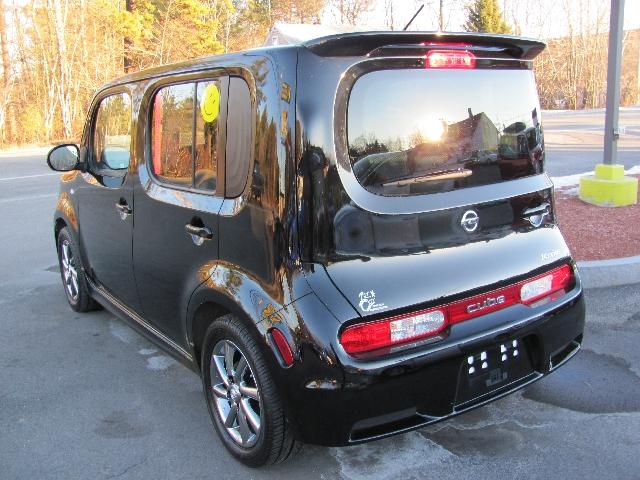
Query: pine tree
(485, 16)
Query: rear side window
(426, 131)
(239, 127)
(112, 133)
(184, 134)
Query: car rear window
(415, 131)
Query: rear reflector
(283, 346)
(369, 336)
(450, 59)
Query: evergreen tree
(485, 16)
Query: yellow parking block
(609, 187)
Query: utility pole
(441, 23)
(611, 133)
(609, 186)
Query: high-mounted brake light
(450, 59)
(379, 334)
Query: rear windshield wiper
(430, 177)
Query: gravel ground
(597, 233)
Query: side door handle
(124, 210)
(198, 234)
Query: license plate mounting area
(492, 369)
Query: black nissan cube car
(347, 239)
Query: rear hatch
(440, 151)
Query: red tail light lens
(364, 337)
(545, 285)
(450, 59)
(369, 336)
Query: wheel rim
(235, 394)
(69, 271)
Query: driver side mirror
(64, 158)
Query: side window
(184, 134)
(112, 133)
(172, 134)
(208, 96)
(239, 127)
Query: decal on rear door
(368, 302)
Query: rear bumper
(395, 395)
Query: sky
(534, 18)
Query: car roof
(195, 64)
(347, 44)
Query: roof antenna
(414, 17)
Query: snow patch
(160, 362)
(122, 332)
(566, 181)
(389, 458)
(147, 351)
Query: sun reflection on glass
(432, 129)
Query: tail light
(395, 330)
(545, 285)
(401, 329)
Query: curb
(609, 273)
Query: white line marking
(28, 176)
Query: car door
(105, 197)
(175, 245)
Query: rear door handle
(198, 234)
(536, 215)
(124, 210)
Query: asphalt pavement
(82, 396)
(574, 140)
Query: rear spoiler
(363, 43)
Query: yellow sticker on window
(210, 103)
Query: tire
(72, 273)
(248, 390)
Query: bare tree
(7, 78)
(128, 43)
(6, 65)
(350, 11)
(388, 14)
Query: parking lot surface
(83, 396)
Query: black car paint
(290, 270)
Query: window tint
(424, 131)
(239, 127)
(112, 133)
(172, 134)
(208, 96)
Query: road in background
(574, 140)
(84, 396)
